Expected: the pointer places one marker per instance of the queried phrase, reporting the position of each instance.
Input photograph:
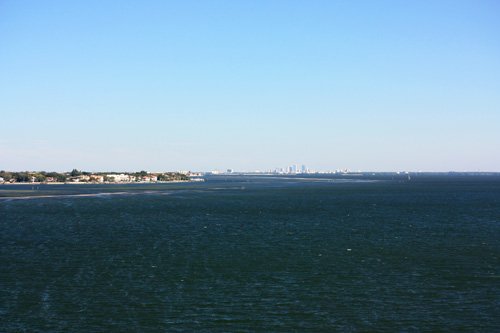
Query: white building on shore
(120, 178)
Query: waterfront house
(97, 178)
(150, 178)
(119, 178)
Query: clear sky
(202, 85)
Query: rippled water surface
(245, 254)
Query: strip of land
(83, 177)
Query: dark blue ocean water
(253, 254)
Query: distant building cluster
(293, 169)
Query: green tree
(61, 178)
(40, 177)
(21, 177)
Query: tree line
(43, 176)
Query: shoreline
(106, 183)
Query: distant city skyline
(155, 85)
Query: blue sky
(202, 85)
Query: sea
(254, 253)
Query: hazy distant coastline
(77, 177)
